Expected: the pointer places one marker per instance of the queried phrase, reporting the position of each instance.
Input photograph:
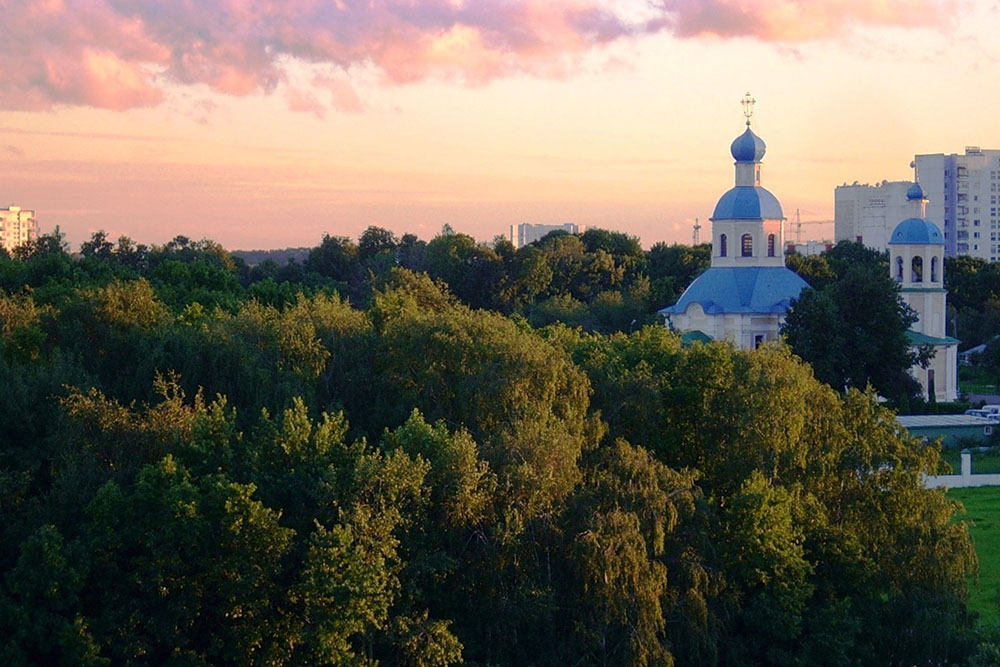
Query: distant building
(916, 262)
(867, 213)
(808, 248)
(525, 233)
(953, 429)
(963, 196)
(744, 295)
(17, 227)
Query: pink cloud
(798, 20)
(342, 94)
(119, 54)
(305, 102)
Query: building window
(917, 266)
(747, 242)
(758, 340)
(934, 269)
(722, 245)
(899, 269)
(770, 245)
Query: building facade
(526, 232)
(744, 295)
(17, 227)
(962, 193)
(916, 262)
(867, 213)
(808, 248)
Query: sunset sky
(264, 124)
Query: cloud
(305, 102)
(798, 20)
(121, 54)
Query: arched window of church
(747, 242)
(722, 245)
(899, 269)
(918, 269)
(770, 245)
(934, 269)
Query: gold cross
(748, 103)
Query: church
(744, 295)
(916, 262)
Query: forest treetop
(201, 463)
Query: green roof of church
(695, 336)
(923, 339)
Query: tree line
(203, 464)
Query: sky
(267, 123)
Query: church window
(747, 242)
(770, 245)
(918, 269)
(899, 269)
(934, 269)
(722, 245)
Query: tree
(98, 246)
(814, 269)
(990, 360)
(471, 270)
(672, 268)
(375, 240)
(335, 257)
(853, 332)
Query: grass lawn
(982, 462)
(982, 509)
(975, 380)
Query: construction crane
(798, 225)
(697, 228)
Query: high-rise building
(525, 233)
(867, 213)
(963, 197)
(17, 227)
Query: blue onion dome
(916, 231)
(747, 202)
(915, 192)
(748, 147)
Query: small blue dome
(915, 192)
(916, 231)
(748, 147)
(748, 202)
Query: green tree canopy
(853, 330)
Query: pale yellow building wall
(17, 227)
(742, 330)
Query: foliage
(853, 329)
(372, 457)
(973, 299)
